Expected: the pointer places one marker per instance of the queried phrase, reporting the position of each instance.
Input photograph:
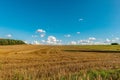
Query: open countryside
(59, 39)
(35, 62)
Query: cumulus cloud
(114, 40)
(9, 35)
(68, 35)
(99, 43)
(84, 41)
(117, 40)
(42, 35)
(73, 42)
(53, 40)
(107, 40)
(41, 32)
(89, 41)
(91, 38)
(35, 42)
(26, 42)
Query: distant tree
(11, 42)
(114, 44)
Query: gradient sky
(96, 20)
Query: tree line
(11, 42)
(114, 43)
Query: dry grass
(31, 62)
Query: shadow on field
(105, 51)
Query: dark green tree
(10, 42)
(114, 44)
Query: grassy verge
(82, 75)
(94, 75)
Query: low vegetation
(28, 62)
(10, 42)
(114, 44)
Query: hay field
(33, 62)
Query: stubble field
(33, 62)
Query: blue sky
(60, 21)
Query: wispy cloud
(34, 36)
(42, 35)
(35, 42)
(80, 19)
(92, 38)
(89, 41)
(73, 43)
(43, 41)
(107, 40)
(117, 38)
(78, 32)
(26, 42)
(67, 36)
(9, 35)
(83, 41)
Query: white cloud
(99, 43)
(107, 40)
(43, 41)
(84, 41)
(88, 41)
(9, 35)
(41, 31)
(42, 35)
(78, 32)
(26, 42)
(68, 35)
(117, 38)
(91, 38)
(73, 42)
(36, 42)
(53, 40)
(60, 40)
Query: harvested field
(32, 62)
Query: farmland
(44, 62)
